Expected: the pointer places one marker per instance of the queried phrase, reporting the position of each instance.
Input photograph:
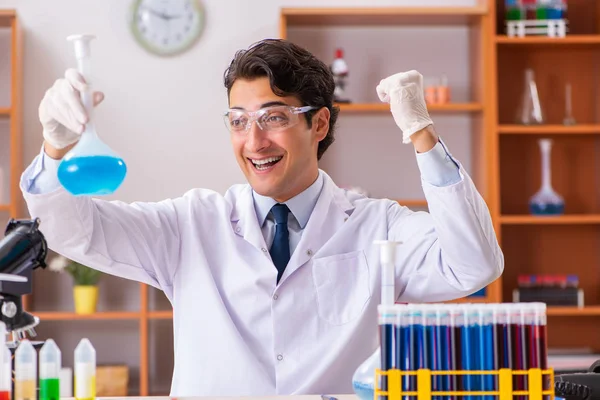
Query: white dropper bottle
(85, 370)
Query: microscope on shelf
(22, 250)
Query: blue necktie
(280, 249)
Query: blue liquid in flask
(92, 175)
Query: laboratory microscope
(22, 250)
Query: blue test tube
(412, 349)
(469, 347)
(486, 351)
(503, 334)
(387, 318)
(444, 337)
(432, 350)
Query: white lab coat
(237, 332)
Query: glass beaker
(546, 201)
(91, 167)
(531, 108)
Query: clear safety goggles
(272, 119)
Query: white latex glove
(404, 92)
(61, 111)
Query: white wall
(162, 115)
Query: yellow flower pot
(86, 299)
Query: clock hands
(160, 15)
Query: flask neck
(546, 170)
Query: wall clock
(166, 27)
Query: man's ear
(321, 123)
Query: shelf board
(108, 315)
(4, 112)
(6, 17)
(565, 311)
(412, 202)
(160, 314)
(568, 219)
(384, 107)
(529, 40)
(382, 16)
(4, 207)
(549, 129)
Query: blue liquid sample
(486, 357)
(468, 359)
(92, 175)
(386, 338)
(362, 391)
(546, 209)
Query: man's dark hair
(292, 71)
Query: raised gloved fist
(404, 92)
(61, 111)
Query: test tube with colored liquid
(535, 319)
(432, 351)
(469, 347)
(5, 366)
(519, 347)
(503, 334)
(387, 319)
(25, 371)
(50, 364)
(85, 371)
(403, 347)
(486, 343)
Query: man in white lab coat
(275, 284)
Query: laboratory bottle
(85, 371)
(91, 167)
(50, 364)
(25, 371)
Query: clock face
(167, 27)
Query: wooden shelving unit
(13, 112)
(550, 244)
(434, 108)
(477, 20)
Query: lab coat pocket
(342, 286)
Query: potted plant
(85, 283)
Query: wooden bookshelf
(5, 207)
(550, 220)
(70, 316)
(557, 311)
(580, 129)
(553, 41)
(434, 108)
(4, 112)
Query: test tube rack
(535, 378)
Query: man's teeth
(266, 163)
(266, 160)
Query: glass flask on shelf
(530, 112)
(546, 201)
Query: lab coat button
(264, 250)
(275, 297)
(238, 229)
(279, 357)
(309, 252)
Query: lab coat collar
(330, 212)
(301, 205)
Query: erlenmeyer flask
(363, 380)
(91, 167)
(546, 201)
(531, 109)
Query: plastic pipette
(25, 371)
(85, 370)
(91, 167)
(387, 254)
(50, 363)
(5, 365)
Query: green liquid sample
(49, 389)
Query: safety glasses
(271, 119)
